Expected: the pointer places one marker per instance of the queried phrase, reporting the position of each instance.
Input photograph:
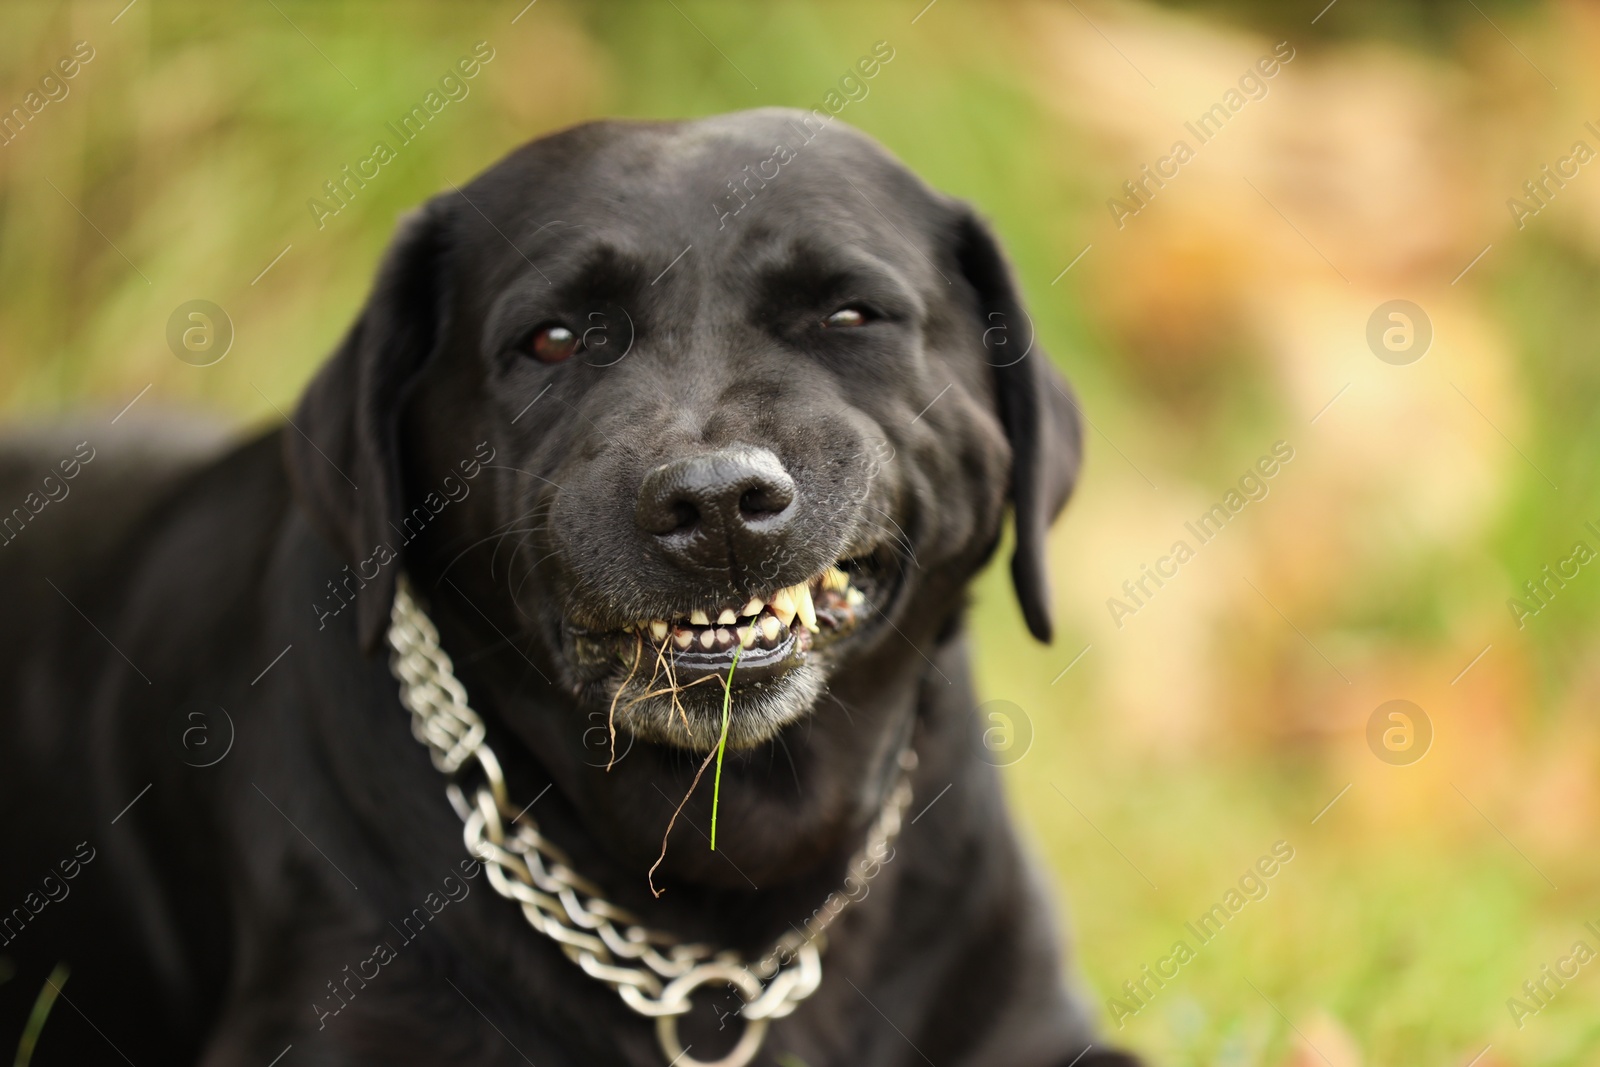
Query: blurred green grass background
(1229, 313)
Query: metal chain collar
(652, 971)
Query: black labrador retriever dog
(636, 509)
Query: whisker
(482, 540)
(532, 569)
(519, 470)
(903, 539)
(792, 770)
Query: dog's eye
(847, 317)
(554, 343)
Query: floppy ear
(343, 450)
(1038, 410)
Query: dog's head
(735, 387)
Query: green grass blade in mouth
(722, 745)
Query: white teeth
(783, 606)
(804, 608)
(795, 600)
(766, 620)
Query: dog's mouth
(767, 632)
(768, 649)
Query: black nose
(718, 510)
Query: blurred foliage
(1433, 25)
(1229, 313)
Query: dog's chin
(750, 666)
(756, 711)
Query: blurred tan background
(1212, 321)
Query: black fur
(219, 913)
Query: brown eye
(846, 316)
(552, 344)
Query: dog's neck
(790, 812)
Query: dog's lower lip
(754, 664)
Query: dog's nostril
(684, 516)
(734, 498)
(760, 501)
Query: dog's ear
(1038, 411)
(343, 449)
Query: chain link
(652, 971)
